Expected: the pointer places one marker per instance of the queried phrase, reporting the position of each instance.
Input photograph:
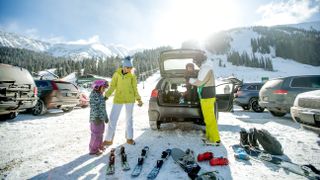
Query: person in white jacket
(207, 95)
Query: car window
(252, 87)
(308, 82)
(42, 84)
(173, 64)
(66, 86)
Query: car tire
(68, 109)
(255, 105)
(277, 114)
(39, 108)
(154, 125)
(246, 107)
(12, 115)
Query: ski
(124, 162)
(259, 155)
(138, 168)
(155, 171)
(110, 169)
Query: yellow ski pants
(207, 107)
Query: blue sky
(143, 23)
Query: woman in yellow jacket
(124, 83)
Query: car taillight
(35, 91)
(154, 93)
(54, 85)
(280, 91)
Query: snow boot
(221, 161)
(205, 156)
(244, 138)
(252, 138)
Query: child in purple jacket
(98, 116)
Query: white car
(306, 109)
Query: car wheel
(12, 115)
(39, 108)
(277, 114)
(246, 107)
(154, 125)
(67, 109)
(255, 105)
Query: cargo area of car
(176, 92)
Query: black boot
(252, 138)
(244, 138)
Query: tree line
(244, 59)
(145, 62)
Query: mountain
(72, 50)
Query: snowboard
(257, 154)
(185, 160)
(155, 171)
(110, 169)
(138, 168)
(124, 162)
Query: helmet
(98, 83)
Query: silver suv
(170, 101)
(277, 95)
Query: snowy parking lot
(55, 145)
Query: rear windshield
(175, 64)
(306, 82)
(17, 74)
(66, 86)
(273, 83)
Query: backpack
(269, 143)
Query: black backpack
(269, 143)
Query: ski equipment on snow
(208, 143)
(138, 168)
(155, 171)
(110, 169)
(124, 162)
(205, 156)
(186, 160)
(259, 155)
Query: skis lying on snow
(186, 160)
(208, 143)
(137, 169)
(308, 171)
(124, 162)
(154, 172)
(110, 168)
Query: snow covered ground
(55, 145)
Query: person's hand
(140, 103)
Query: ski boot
(252, 138)
(244, 138)
(205, 156)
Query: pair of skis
(124, 162)
(307, 171)
(156, 169)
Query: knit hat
(98, 83)
(127, 62)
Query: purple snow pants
(97, 130)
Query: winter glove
(105, 98)
(140, 103)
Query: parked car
(168, 102)
(247, 96)
(55, 94)
(306, 109)
(18, 91)
(278, 95)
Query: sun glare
(193, 19)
